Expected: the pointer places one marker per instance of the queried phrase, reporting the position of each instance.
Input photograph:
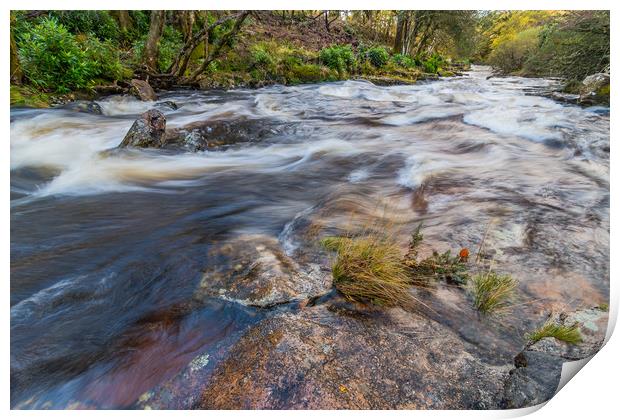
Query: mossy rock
(29, 97)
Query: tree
(151, 47)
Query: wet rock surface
(142, 90)
(89, 107)
(253, 270)
(538, 367)
(147, 131)
(220, 135)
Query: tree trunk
(16, 70)
(218, 46)
(398, 38)
(151, 48)
(124, 20)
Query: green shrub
(52, 58)
(338, 57)
(260, 57)
(432, 64)
(307, 73)
(512, 54)
(103, 59)
(378, 56)
(403, 60)
(94, 22)
(170, 44)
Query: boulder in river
(142, 90)
(253, 270)
(595, 89)
(147, 131)
(90, 107)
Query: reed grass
(369, 269)
(493, 292)
(568, 334)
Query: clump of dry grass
(369, 269)
(568, 334)
(493, 292)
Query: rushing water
(107, 249)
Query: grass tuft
(493, 292)
(570, 335)
(369, 269)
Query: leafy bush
(170, 44)
(338, 57)
(403, 60)
(52, 58)
(378, 56)
(308, 73)
(94, 22)
(512, 54)
(103, 58)
(261, 57)
(433, 63)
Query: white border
(592, 395)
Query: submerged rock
(253, 270)
(538, 367)
(168, 104)
(90, 107)
(142, 90)
(147, 131)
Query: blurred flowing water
(107, 249)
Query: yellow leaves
(343, 389)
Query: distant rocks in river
(89, 107)
(147, 131)
(595, 88)
(142, 90)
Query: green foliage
(512, 54)
(170, 44)
(308, 73)
(452, 269)
(261, 57)
(493, 292)
(568, 334)
(433, 63)
(52, 58)
(403, 60)
(29, 97)
(97, 23)
(378, 56)
(103, 59)
(339, 58)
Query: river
(107, 249)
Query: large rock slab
(253, 270)
(147, 131)
(334, 356)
